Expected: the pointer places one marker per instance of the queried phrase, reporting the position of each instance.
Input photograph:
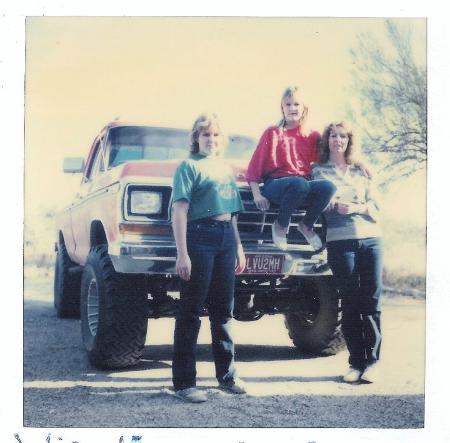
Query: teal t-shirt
(209, 186)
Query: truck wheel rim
(93, 306)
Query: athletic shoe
(236, 386)
(279, 240)
(191, 395)
(353, 375)
(371, 373)
(312, 238)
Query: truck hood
(167, 168)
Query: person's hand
(262, 203)
(183, 267)
(240, 260)
(365, 170)
(347, 208)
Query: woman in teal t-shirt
(209, 252)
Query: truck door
(80, 211)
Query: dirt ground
(286, 389)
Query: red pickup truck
(115, 252)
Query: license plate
(263, 263)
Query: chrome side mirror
(73, 164)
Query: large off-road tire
(66, 288)
(113, 313)
(316, 329)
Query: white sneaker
(279, 240)
(312, 238)
(353, 375)
(191, 395)
(236, 386)
(371, 373)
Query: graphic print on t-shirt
(221, 174)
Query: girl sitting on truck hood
(282, 161)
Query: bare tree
(393, 98)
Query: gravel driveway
(286, 389)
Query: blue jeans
(212, 250)
(292, 192)
(357, 270)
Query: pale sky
(83, 72)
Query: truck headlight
(145, 202)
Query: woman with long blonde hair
(282, 162)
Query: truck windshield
(147, 143)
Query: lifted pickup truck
(115, 252)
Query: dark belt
(209, 222)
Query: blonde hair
(290, 91)
(351, 154)
(203, 121)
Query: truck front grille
(255, 225)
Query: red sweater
(283, 152)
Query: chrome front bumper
(158, 256)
